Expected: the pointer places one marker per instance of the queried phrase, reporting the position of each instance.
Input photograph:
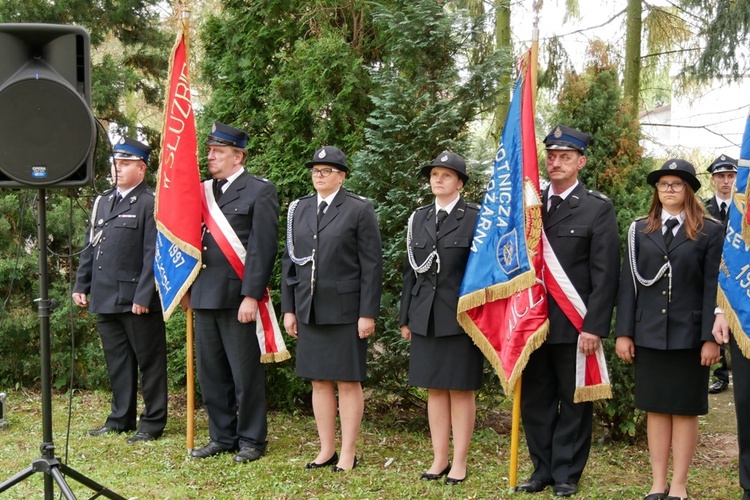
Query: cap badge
(122, 140)
(723, 158)
(322, 154)
(213, 128)
(672, 166)
(444, 158)
(557, 133)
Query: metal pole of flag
(189, 333)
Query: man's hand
(248, 310)
(720, 329)
(588, 343)
(138, 309)
(80, 299)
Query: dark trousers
(558, 431)
(741, 372)
(131, 343)
(722, 372)
(232, 379)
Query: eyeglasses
(322, 172)
(676, 186)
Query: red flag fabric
(178, 206)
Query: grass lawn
(392, 456)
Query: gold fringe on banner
(592, 393)
(740, 335)
(275, 357)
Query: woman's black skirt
(331, 352)
(450, 363)
(672, 382)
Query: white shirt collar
(328, 199)
(231, 179)
(562, 195)
(666, 215)
(720, 200)
(448, 208)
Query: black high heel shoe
(434, 477)
(336, 468)
(330, 461)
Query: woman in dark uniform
(664, 318)
(442, 357)
(331, 282)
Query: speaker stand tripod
(50, 466)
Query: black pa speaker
(47, 130)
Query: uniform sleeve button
(664, 311)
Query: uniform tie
(723, 211)
(118, 198)
(321, 210)
(671, 223)
(218, 188)
(441, 216)
(554, 201)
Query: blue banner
(734, 274)
(498, 252)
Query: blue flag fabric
(498, 252)
(734, 274)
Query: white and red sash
(592, 379)
(272, 347)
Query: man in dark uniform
(723, 174)
(225, 298)
(582, 230)
(117, 270)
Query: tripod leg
(60, 480)
(12, 481)
(90, 483)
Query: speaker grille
(46, 132)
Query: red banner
(178, 206)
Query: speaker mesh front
(46, 131)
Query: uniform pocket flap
(129, 276)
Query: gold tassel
(592, 393)
(740, 336)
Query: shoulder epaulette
(474, 206)
(597, 194)
(356, 196)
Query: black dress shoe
(434, 477)
(716, 388)
(336, 468)
(327, 463)
(211, 449)
(248, 454)
(105, 429)
(565, 489)
(532, 486)
(140, 436)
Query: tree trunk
(632, 80)
(502, 41)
